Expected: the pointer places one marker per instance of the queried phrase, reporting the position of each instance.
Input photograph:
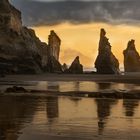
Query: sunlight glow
(83, 40)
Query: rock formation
(106, 62)
(53, 65)
(10, 17)
(131, 58)
(64, 67)
(76, 67)
(21, 51)
(54, 44)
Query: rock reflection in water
(52, 108)
(13, 115)
(103, 86)
(103, 112)
(130, 106)
(24, 117)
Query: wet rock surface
(131, 58)
(106, 62)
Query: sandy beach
(70, 107)
(127, 78)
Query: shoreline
(76, 94)
(133, 78)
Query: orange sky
(83, 40)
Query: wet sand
(68, 118)
(59, 108)
(127, 78)
(81, 85)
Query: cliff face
(106, 62)
(131, 58)
(10, 17)
(21, 51)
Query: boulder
(131, 58)
(106, 62)
(76, 67)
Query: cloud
(68, 55)
(51, 12)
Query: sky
(46, 12)
(78, 24)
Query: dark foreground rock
(106, 62)
(114, 95)
(76, 67)
(16, 89)
(21, 51)
(131, 58)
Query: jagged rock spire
(76, 67)
(131, 58)
(106, 62)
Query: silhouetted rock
(131, 58)
(76, 67)
(106, 62)
(64, 67)
(16, 89)
(21, 51)
(53, 65)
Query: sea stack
(131, 58)
(76, 67)
(21, 51)
(54, 44)
(106, 62)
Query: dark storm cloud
(49, 13)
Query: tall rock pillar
(106, 62)
(54, 43)
(131, 58)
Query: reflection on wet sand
(103, 112)
(130, 106)
(14, 113)
(52, 108)
(103, 86)
(84, 86)
(82, 117)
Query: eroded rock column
(106, 62)
(131, 58)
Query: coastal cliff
(106, 62)
(21, 51)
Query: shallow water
(73, 86)
(41, 118)
(37, 117)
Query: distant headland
(22, 52)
